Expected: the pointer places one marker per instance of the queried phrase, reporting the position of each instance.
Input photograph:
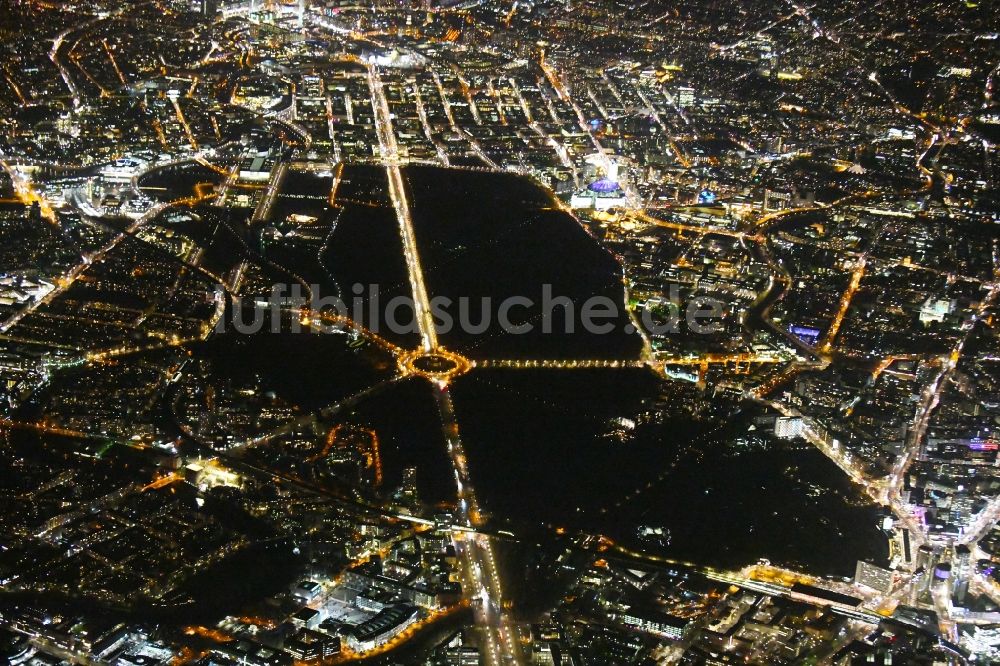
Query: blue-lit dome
(603, 186)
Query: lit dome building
(602, 194)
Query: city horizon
(499, 332)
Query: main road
(397, 192)
(478, 568)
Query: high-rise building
(685, 97)
(407, 493)
(789, 427)
(925, 557)
(873, 576)
(962, 561)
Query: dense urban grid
(781, 448)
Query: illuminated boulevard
(479, 572)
